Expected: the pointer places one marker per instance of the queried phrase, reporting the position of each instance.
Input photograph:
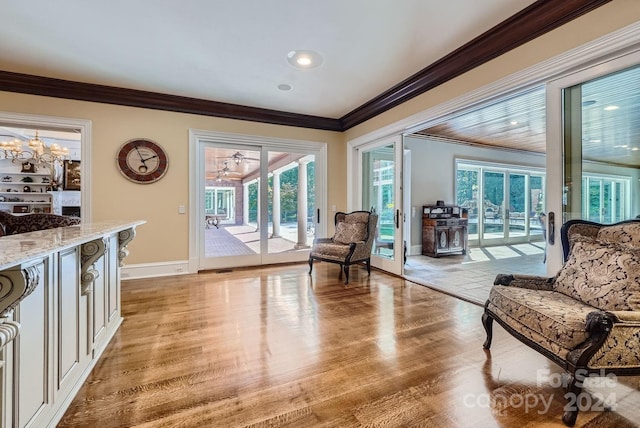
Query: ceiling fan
(226, 171)
(238, 158)
(223, 174)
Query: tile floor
(230, 240)
(471, 276)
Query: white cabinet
(23, 192)
(68, 311)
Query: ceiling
(224, 165)
(609, 108)
(236, 51)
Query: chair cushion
(346, 233)
(624, 234)
(331, 251)
(558, 318)
(601, 274)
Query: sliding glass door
(380, 170)
(230, 234)
(492, 207)
(256, 203)
(511, 203)
(593, 144)
(292, 208)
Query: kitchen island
(59, 308)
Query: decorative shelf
(25, 203)
(25, 193)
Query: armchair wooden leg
(573, 397)
(487, 322)
(310, 265)
(368, 262)
(346, 274)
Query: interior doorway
(59, 150)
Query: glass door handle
(397, 219)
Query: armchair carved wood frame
(351, 243)
(581, 319)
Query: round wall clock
(142, 161)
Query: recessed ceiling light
(284, 87)
(611, 107)
(304, 59)
(514, 122)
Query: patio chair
(351, 244)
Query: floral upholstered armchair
(351, 243)
(12, 224)
(587, 317)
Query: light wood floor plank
(277, 347)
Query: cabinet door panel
(72, 323)
(442, 236)
(99, 301)
(456, 238)
(113, 281)
(32, 349)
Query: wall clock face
(142, 161)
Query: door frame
(197, 139)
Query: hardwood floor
(277, 347)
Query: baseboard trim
(152, 270)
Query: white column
(258, 206)
(245, 203)
(275, 205)
(302, 205)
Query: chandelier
(38, 153)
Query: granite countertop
(19, 248)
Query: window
(511, 203)
(606, 199)
(220, 201)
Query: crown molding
(531, 22)
(59, 88)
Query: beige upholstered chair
(586, 319)
(351, 243)
(13, 224)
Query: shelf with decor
(25, 202)
(24, 193)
